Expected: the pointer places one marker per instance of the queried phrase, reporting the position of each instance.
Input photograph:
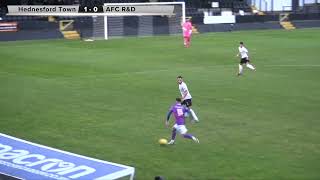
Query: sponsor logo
(41, 165)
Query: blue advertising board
(27, 160)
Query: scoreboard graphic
(112, 9)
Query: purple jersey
(178, 111)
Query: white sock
(250, 66)
(240, 69)
(194, 116)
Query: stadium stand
(311, 8)
(235, 5)
(35, 27)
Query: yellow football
(163, 141)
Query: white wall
(266, 5)
(278, 5)
(219, 19)
(308, 2)
(226, 17)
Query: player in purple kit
(178, 110)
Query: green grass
(108, 100)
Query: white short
(180, 128)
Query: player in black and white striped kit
(243, 53)
(186, 97)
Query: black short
(187, 102)
(244, 60)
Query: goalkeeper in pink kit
(187, 31)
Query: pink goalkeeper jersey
(187, 29)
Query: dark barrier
(37, 25)
(266, 18)
(32, 30)
(313, 16)
(131, 26)
(256, 18)
(204, 28)
(197, 19)
(161, 24)
(30, 35)
(306, 23)
(84, 26)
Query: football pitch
(109, 99)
